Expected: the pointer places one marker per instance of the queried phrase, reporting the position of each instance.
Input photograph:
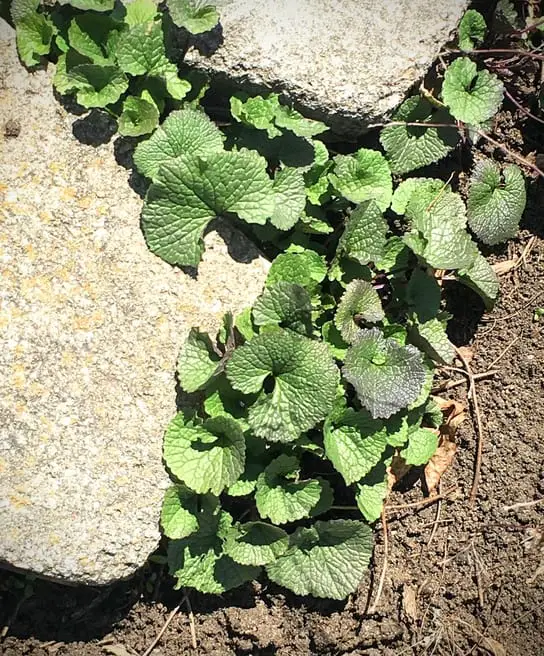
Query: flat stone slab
(90, 326)
(347, 62)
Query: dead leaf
(117, 650)
(409, 602)
(495, 647)
(501, 268)
(454, 414)
(439, 464)
(397, 470)
(467, 352)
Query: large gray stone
(90, 326)
(347, 62)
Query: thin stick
(191, 620)
(372, 609)
(523, 504)
(505, 351)
(436, 518)
(498, 51)
(479, 428)
(161, 632)
(522, 108)
(462, 381)
(423, 502)
(511, 153)
(523, 307)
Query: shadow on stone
(238, 242)
(123, 150)
(208, 43)
(94, 129)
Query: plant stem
(497, 51)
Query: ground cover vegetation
(304, 404)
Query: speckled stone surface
(348, 62)
(90, 326)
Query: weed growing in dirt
(312, 397)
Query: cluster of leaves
(308, 397)
(113, 56)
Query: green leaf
(257, 112)
(62, 81)
(303, 377)
(247, 481)
(89, 35)
(289, 198)
(138, 117)
(198, 561)
(407, 188)
(481, 277)
(182, 510)
(472, 96)
(371, 493)
(282, 497)
(20, 9)
(326, 560)
(411, 147)
(184, 132)
(472, 30)
(395, 256)
(423, 295)
(360, 303)
(34, 35)
(206, 458)
(256, 543)
(438, 222)
(421, 447)
(302, 267)
(355, 443)
(223, 401)
(386, 376)
(196, 16)
(286, 305)
(363, 239)
(333, 338)
(90, 5)
(197, 362)
(363, 176)
(97, 86)
(190, 191)
(495, 205)
(290, 119)
(432, 339)
(139, 12)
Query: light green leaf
(20, 9)
(256, 543)
(371, 493)
(290, 119)
(472, 30)
(89, 35)
(62, 81)
(184, 132)
(326, 560)
(406, 189)
(286, 305)
(354, 443)
(495, 205)
(438, 228)
(34, 35)
(421, 447)
(472, 96)
(197, 362)
(190, 191)
(363, 238)
(281, 497)
(90, 5)
(196, 16)
(360, 303)
(97, 86)
(198, 561)
(223, 401)
(139, 11)
(432, 339)
(395, 256)
(410, 147)
(247, 481)
(333, 339)
(303, 377)
(138, 117)
(481, 277)
(257, 112)
(386, 376)
(289, 198)
(206, 458)
(363, 176)
(182, 510)
(423, 295)
(302, 267)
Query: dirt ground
(460, 579)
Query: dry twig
(162, 631)
(523, 504)
(423, 502)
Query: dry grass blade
(374, 606)
(162, 631)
